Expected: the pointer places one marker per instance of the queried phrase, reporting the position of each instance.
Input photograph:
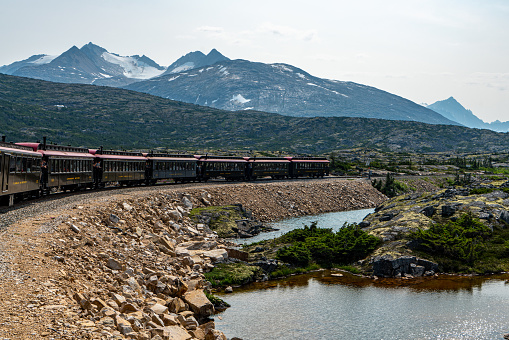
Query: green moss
(283, 270)
(218, 303)
(225, 274)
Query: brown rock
(123, 325)
(158, 309)
(214, 334)
(113, 264)
(199, 303)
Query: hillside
(91, 116)
(279, 88)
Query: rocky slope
(130, 264)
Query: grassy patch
(226, 274)
(350, 269)
(283, 270)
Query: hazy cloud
(287, 32)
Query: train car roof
(18, 149)
(187, 159)
(267, 160)
(120, 155)
(170, 157)
(231, 159)
(50, 147)
(308, 160)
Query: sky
(422, 50)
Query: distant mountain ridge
(451, 109)
(280, 88)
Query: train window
(29, 164)
(12, 164)
(18, 164)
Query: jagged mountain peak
(450, 108)
(195, 60)
(93, 49)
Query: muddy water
(323, 305)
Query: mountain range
(451, 109)
(279, 88)
(216, 81)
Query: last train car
(19, 172)
(309, 167)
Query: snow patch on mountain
(239, 99)
(183, 67)
(326, 89)
(46, 59)
(173, 78)
(133, 68)
(223, 71)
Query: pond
(323, 306)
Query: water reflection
(330, 277)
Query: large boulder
(199, 303)
(504, 216)
(388, 266)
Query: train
(35, 169)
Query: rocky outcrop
(404, 266)
(395, 219)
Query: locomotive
(34, 169)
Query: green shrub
(463, 240)
(325, 247)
